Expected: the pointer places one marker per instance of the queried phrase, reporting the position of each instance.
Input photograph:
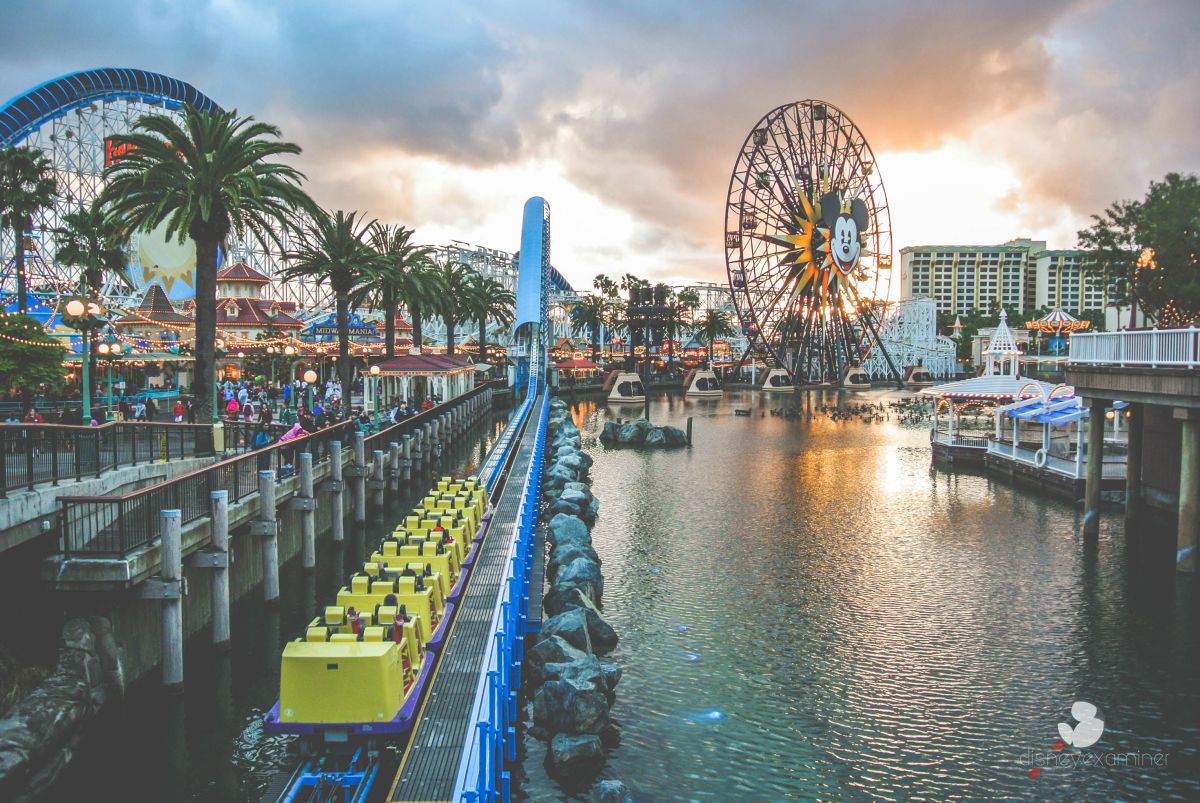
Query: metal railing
(1114, 465)
(116, 525)
(37, 453)
(492, 742)
(969, 441)
(1147, 348)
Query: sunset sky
(990, 120)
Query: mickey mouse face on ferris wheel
(845, 224)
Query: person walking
(177, 411)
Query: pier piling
(393, 465)
(336, 500)
(268, 528)
(406, 467)
(308, 513)
(377, 475)
(360, 481)
(172, 612)
(220, 575)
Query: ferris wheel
(808, 241)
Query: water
(208, 746)
(808, 611)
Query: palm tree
(334, 249)
(488, 298)
(681, 309)
(89, 240)
(605, 286)
(589, 314)
(399, 262)
(451, 306)
(26, 185)
(712, 326)
(420, 288)
(208, 177)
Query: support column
(336, 486)
(435, 440)
(1189, 491)
(427, 443)
(377, 477)
(220, 575)
(360, 482)
(269, 530)
(308, 513)
(394, 466)
(1095, 466)
(406, 442)
(172, 611)
(1133, 464)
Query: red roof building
(419, 376)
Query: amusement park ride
(808, 247)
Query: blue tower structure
(533, 280)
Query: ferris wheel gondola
(808, 242)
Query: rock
(583, 487)
(600, 633)
(631, 435)
(564, 553)
(566, 528)
(584, 671)
(573, 496)
(654, 438)
(612, 675)
(557, 404)
(594, 506)
(552, 650)
(559, 507)
(582, 573)
(571, 627)
(559, 474)
(575, 755)
(565, 450)
(609, 792)
(576, 461)
(611, 432)
(557, 600)
(675, 436)
(563, 706)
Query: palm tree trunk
(483, 338)
(389, 325)
(22, 298)
(595, 342)
(450, 326)
(709, 349)
(414, 309)
(203, 383)
(344, 367)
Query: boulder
(583, 488)
(563, 706)
(582, 573)
(576, 461)
(557, 404)
(573, 496)
(575, 755)
(654, 439)
(594, 506)
(570, 626)
(566, 528)
(630, 435)
(561, 472)
(611, 432)
(600, 633)
(612, 675)
(609, 792)
(584, 671)
(564, 553)
(557, 600)
(553, 650)
(565, 449)
(675, 436)
(559, 507)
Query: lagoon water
(808, 611)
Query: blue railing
(492, 742)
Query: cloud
(451, 113)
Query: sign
(116, 151)
(355, 331)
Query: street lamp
(85, 314)
(110, 353)
(310, 377)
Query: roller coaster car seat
(320, 633)
(335, 615)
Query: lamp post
(85, 314)
(110, 353)
(374, 373)
(310, 376)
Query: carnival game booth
(417, 377)
(959, 439)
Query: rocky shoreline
(568, 687)
(640, 432)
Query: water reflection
(866, 626)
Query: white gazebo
(417, 377)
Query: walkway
(432, 759)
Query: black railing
(117, 525)
(37, 453)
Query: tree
(30, 359)
(1149, 249)
(488, 298)
(420, 288)
(399, 273)
(712, 326)
(208, 177)
(450, 305)
(681, 313)
(589, 314)
(605, 286)
(26, 185)
(334, 249)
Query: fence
(969, 441)
(36, 453)
(117, 525)
(1064, 465)
(1148, 348)
(493, 742)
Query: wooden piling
(308, 514)
(220, 572)
(172, 610)
(269, 530)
